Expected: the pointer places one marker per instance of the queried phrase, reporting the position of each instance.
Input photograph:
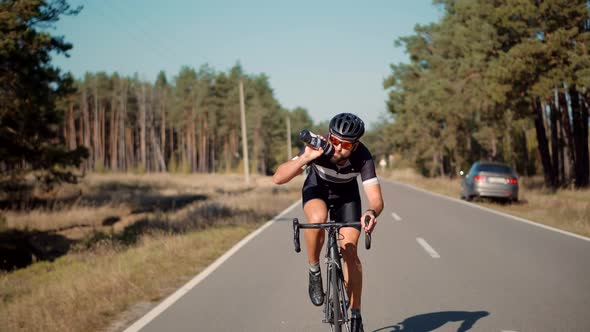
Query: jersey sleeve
(368, 174)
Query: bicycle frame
(336, 317)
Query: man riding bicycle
(331, 185)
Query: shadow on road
(432, 321)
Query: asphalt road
(436, 264)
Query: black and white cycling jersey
(360, 163)
(336, 184)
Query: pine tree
(29, 89)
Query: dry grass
(87, 291)
(63, 219)
(565, 209)
(154, 247)
(568, 210)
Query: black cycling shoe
(316, 291)
(356, 324)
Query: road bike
(336, 301)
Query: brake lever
(367, 235)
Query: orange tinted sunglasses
(336, 141)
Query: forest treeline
(497, 80)
(190, 123)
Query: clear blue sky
(326, 56)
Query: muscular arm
(291, 168)
(375, 198)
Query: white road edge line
(395, 216)
(143, 321)
(428, 248)
(526, 221)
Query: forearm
(375, 198)
(289, 170)
(377, 206)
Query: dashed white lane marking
(138, 325)
(475, 206)
(396, 217)
(427, 247)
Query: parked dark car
(491, 180)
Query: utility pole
(288, 137)
(244, 136)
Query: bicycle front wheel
(335, 299)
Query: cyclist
(331, 185)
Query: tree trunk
(213, 147)
(226, 155)
(580, 132)
(183, 150)
(123, 162)
(193, 141)
(71, 127)
(199, 142)
(568, 137)
(188, 140)
(585, 168)
(554, 143)
(142, 123)
(86, 128)
(434, 166)
(543, 144)
(494, 146)
(130, 151)
(102, 135)
(64, 132)
(525, 152)
(159, 164)
(95, 127)
(157, 152)
(203, 150)
(171, 141)
(80, 133)
(234, 145)
(113, 135)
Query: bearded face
(342, 149)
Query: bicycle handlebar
(329, 225)
(297, 226)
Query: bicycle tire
(343, 303)
(335, 298)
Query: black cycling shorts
(342, 199)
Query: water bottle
(315, 142)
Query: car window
(493, 168)
(472, 170)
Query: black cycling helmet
(347, 126)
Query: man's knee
(316, 211)
(317, 217)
